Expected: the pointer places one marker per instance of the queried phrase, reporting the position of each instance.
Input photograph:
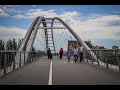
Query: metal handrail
(110, 58)
(9, 60)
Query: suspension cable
(42, 37)
(41, 44)
(62, 43)
(66, 38)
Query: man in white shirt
(81, 52)
(75, 53)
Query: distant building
(99, 47)
(71, 44)
(89, 44)
(114, 47)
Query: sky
(99, 23)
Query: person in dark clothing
(50, 56)
(61, 53)
(48, 53)
(68, 55)
(57, 54)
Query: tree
(19, 43)
(9, 45)
(2, 55)
(33, 49)
(14, 45)
(0, 44)
(3, 45)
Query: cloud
(93, 26)
(38, 12)
(32, 13)
(116, 12)
(34, 5)
(9, 6)
(9, 10)
(19, 16)
(98, 28)
(7, 33)
(3, 13)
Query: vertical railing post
(32, 56)
(14, 60)
(36, 55)
(86, 57)
(20, 60)
(98, 58)
(24, 57)
(105, 55)
(95, 52)
(117, 59)
(0, 60)
(28, 57)
(91, 57)
(10, 62)
(5, 62)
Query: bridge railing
(9, 60)
(110, 58)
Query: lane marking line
(50, 75)
(64, 62)
(41, 62)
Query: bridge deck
(63, 73)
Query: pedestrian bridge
(61, 72)
(27, 67)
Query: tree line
(11, 45)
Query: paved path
(63, 73)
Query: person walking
(81, 52)
(68, 55)
(49, 53)
(75, 53)
(57, 54)
(61, 53)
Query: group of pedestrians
(50, 54)
(77, 52)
